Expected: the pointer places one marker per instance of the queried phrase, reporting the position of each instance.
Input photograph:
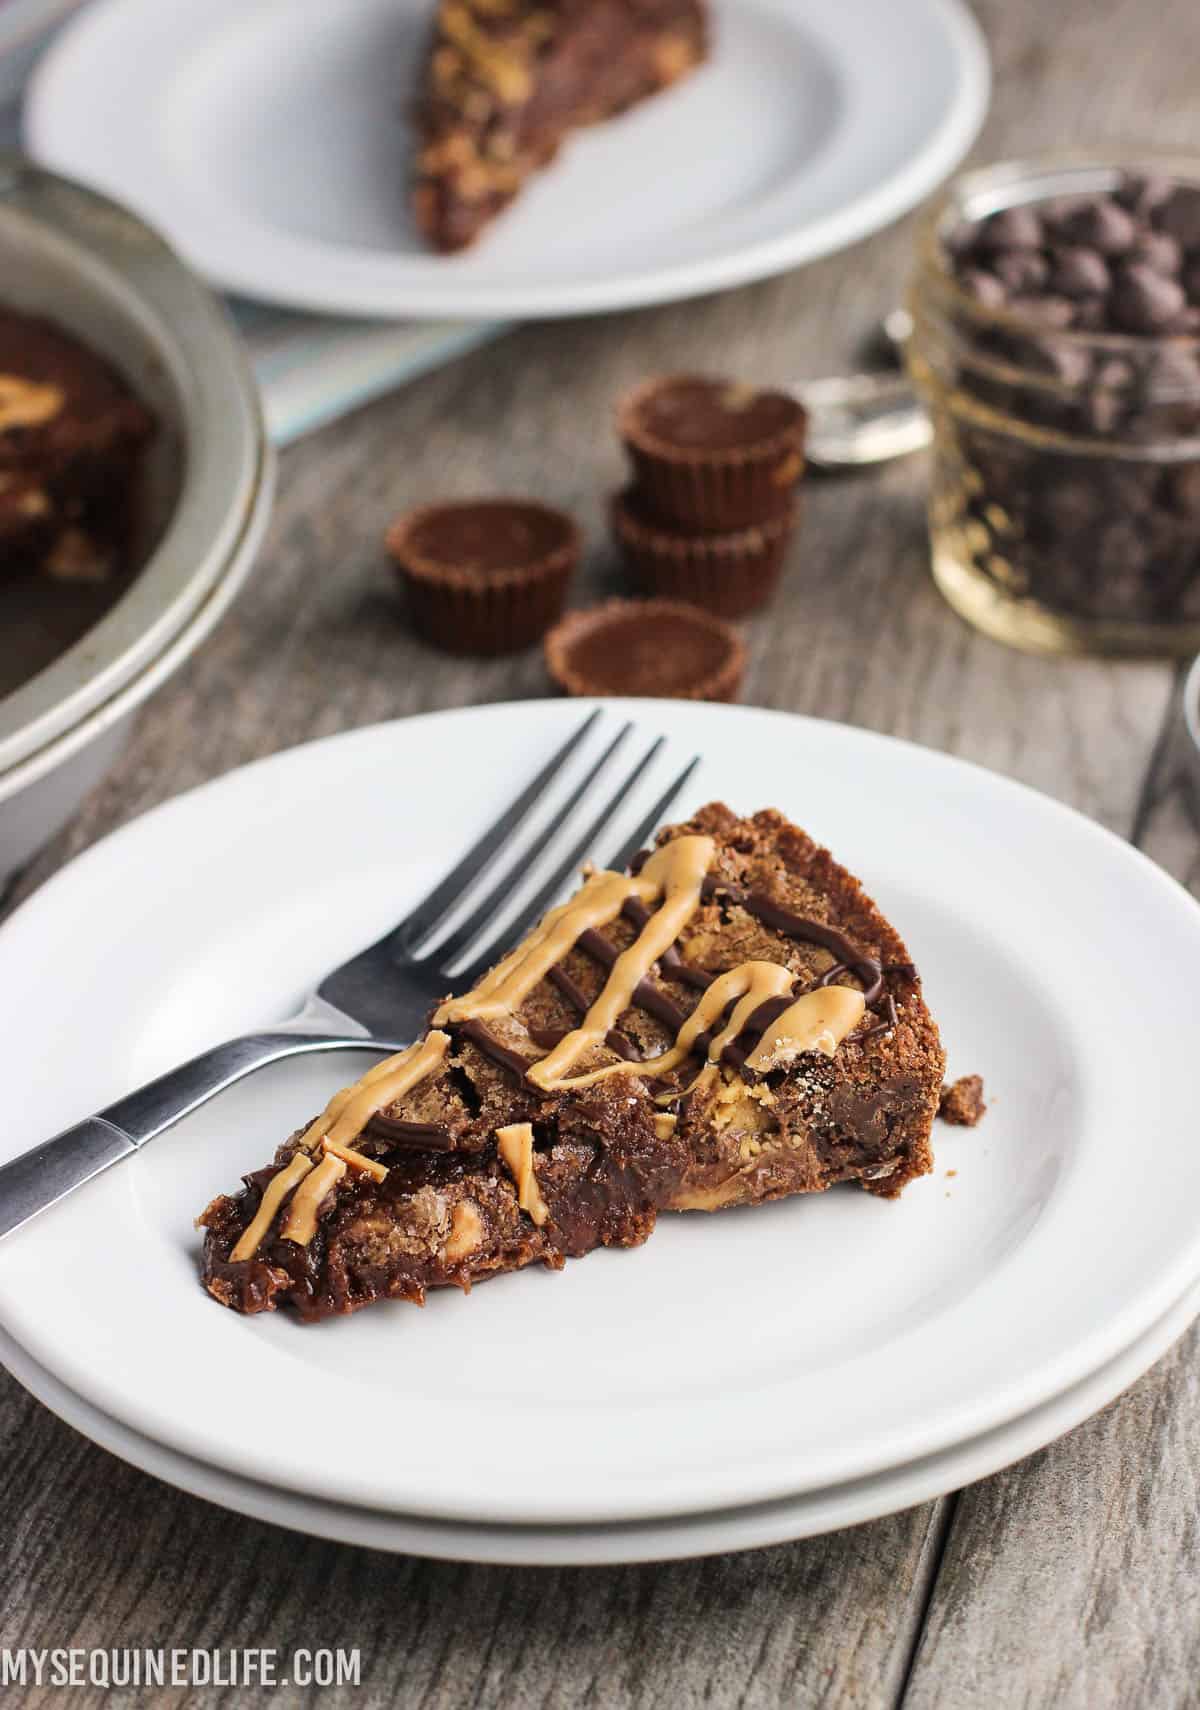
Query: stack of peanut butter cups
(713, 504)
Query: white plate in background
(735, 1359)
(267, 138)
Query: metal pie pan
(95, 269)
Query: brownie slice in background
(505, 81)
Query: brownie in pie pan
(731, 1021)
(71, 439)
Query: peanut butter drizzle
(357, 1160)
(330, 1137)
(300, 1225)
(673, 873)
(750, 983)
(818, 1021)
(277, 1191)
(515, 1144)
(349, 1111)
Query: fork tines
(502, 839)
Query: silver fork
(375, 1001)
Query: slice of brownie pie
(505, 81)
(732, 1021)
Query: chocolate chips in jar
(1057, 343)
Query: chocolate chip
(1121, 548)
(985, 287)
(1103, 410)
(1143, 194)
(1068, 360)
(1048, 311)
(1021, 270)
(1011, 228)
(1114, 374)
(960, 239)
(1091, 314)
(1158, 250)
(1181, 216)
(1145, 301)
(1174, 370)
(1183, 489)
(1079, 272)
(1069, 506)
(1133, 488)
(1101, 225)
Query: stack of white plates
(742, 1379)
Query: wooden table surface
(1070, 1579)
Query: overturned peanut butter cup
(646, 647)
(731, 573)
(484, 576)
(710, 453)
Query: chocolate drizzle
(496, 1049)
(868, 969)
(885, 1023)
(416, 1136)
(546, 1039)
(645, 995)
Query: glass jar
(1064, 509)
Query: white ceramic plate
(267, 137)
(656, 1540)
(734, 1359)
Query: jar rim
(988, 184)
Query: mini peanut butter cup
(710, 453)
(646, 647)
(484, 576)
(731, 573)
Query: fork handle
(41, 1177)
(55, 1168)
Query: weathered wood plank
(1071, 1578)
(97, 1554)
